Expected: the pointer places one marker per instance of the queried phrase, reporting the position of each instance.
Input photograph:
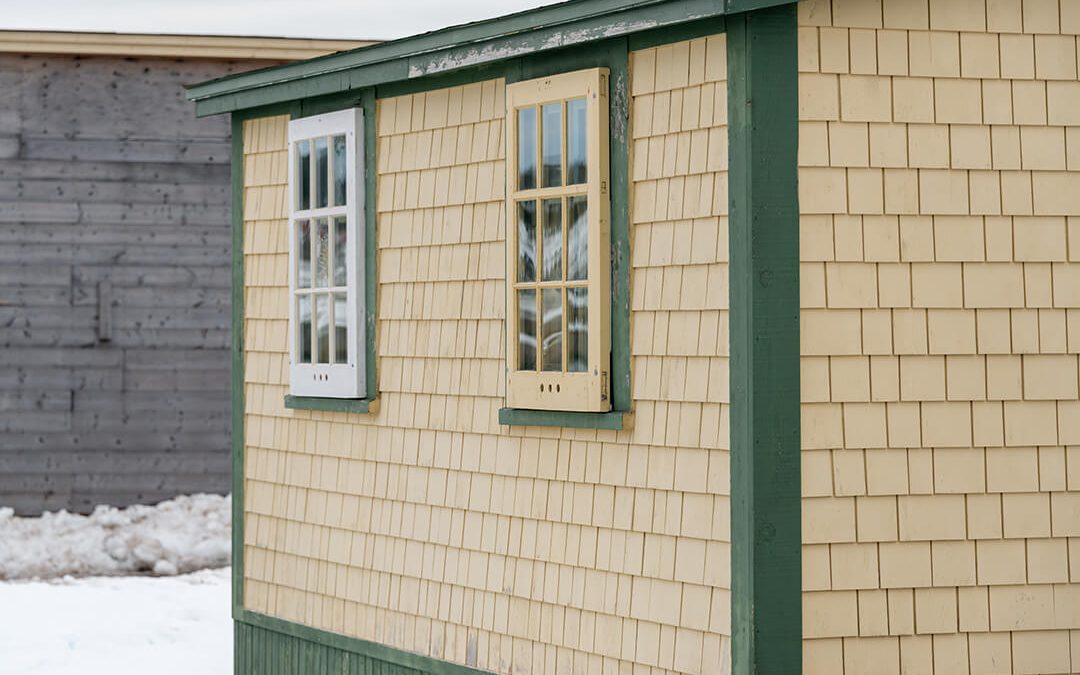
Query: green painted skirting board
(268, 646)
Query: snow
(177, 536)
(66, 609)
(117, 625)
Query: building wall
(427, 526)
(107, 181)
(940, 193)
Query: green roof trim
(459, 47)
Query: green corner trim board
(763, 249)
(764, 298)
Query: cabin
(115, 265)
(677, 336)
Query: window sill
(614, 421)
(346, 405)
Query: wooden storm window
(558, 243)
(326, 295)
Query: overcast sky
(383, 19)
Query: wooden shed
(663, 336)
(114, 265)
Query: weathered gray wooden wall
(114, 282)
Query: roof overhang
(456, 48)
(233, 47)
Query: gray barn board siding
(108, 181)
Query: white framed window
(326, 256)
(558, 243)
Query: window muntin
(558, 345)
(326, 255)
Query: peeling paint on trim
(543, 29)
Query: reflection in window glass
(526, 264)
(526, 329)
(322, 328)
(303, 254)
(303, 320)
(551, 138)
(552, 226)
(526, 148)
(552, 329)
(340, 172)
(341, 245)
(577, 330)
(303, 172)
(322, 253)
(341, 329)
(321, 172)
(577, 155)
(577, 238)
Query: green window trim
(613, 54)
(346, 405)
(367, 405)
(615, 421)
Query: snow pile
(117, 626)
(174, 537)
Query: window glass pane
(526, 217)
(303, 320)
(341, 245)
(322, 253)
(303, 254)
(321, 172)
(322, 328)
(552, 329)
(552, 223)
(577, 155)
(551, 138)
(577, 238)
(340, 170)
(526, 329)
(526, 148)
(303, 175)
(341, 329)
(577, 330)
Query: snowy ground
(58, 616)
(180, 535)
(117, 626)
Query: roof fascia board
(471, 45)
(521, 22)
(170, 45)
(738, 6)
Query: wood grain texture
(763, 211)
(108, 182)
